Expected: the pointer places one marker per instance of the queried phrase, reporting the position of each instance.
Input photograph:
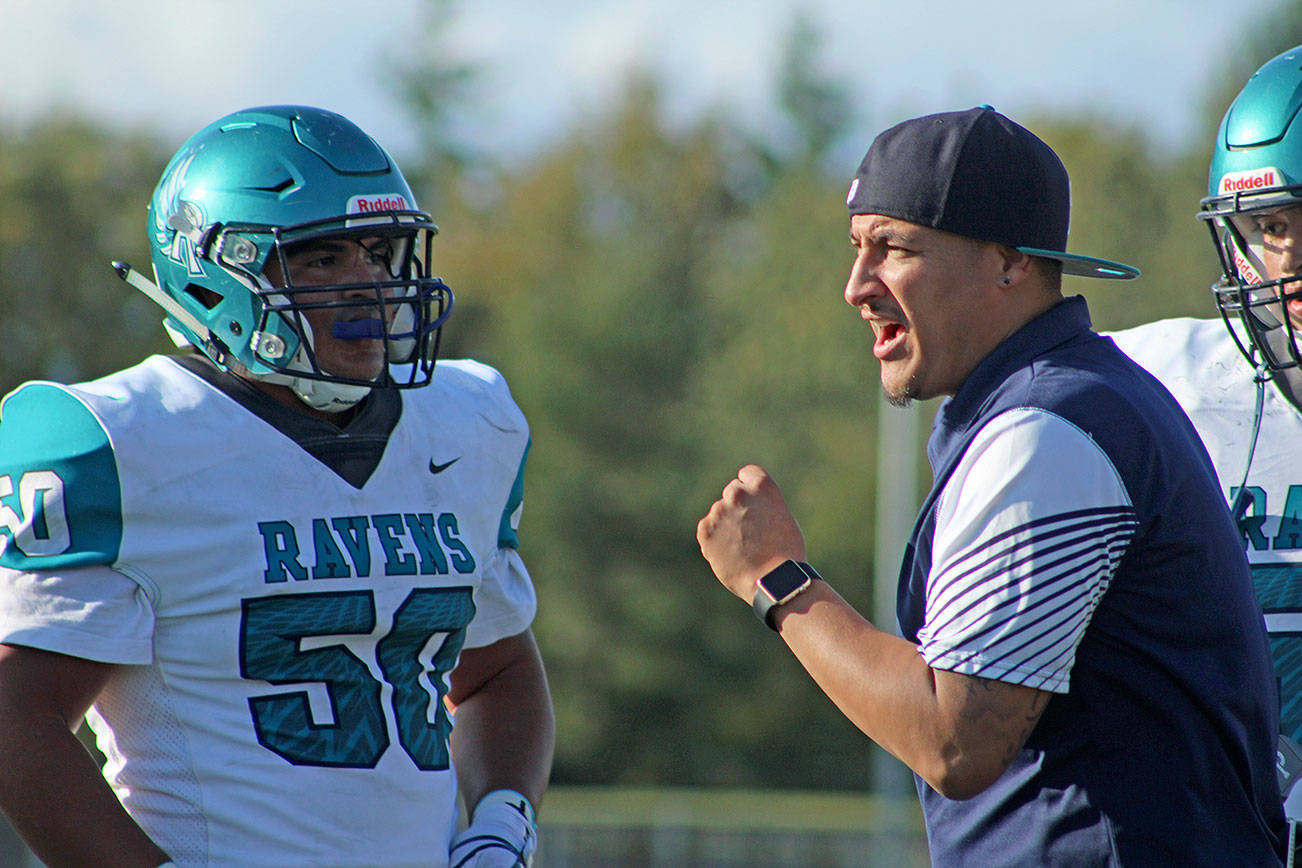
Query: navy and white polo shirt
(1076, 542)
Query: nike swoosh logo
(439, 468)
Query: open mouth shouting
(889, 336)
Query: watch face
(785, 580)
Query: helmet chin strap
(328, 397)
(1289, 383)
(1239, 505)
(318, 394)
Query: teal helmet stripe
(62, 502)
(507, 533)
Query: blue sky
(177, 64)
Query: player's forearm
(57, 800)
(882, 684)
(505, 733)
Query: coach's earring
(1006, 281)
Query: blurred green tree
(72, 198)
(439, 89)
(663, 302)
(814, 104)
(1131, 204)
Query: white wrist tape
(502, 833)
(511, 799)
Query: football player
(1240, 378)
(270, 571)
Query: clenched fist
(748, 531)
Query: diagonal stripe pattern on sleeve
(1021, 602)
(1032, 527)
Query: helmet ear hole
(209, 298)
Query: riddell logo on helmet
(1255, 179)
(376, 204)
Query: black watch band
(779, 586)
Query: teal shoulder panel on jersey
(60, 499)
(508, 532)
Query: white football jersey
(1201, 366)
(287, 633)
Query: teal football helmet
(1256, 167)
(259, 182)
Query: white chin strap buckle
(328, 397)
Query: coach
(1083, 676)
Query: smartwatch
(779, 586)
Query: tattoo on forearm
(987, 697)
(1038, 701)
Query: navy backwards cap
(978, 174)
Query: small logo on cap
(854, 188)
(1253, 179)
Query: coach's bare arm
(505, 730)
(50, 787)
(958, 732)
